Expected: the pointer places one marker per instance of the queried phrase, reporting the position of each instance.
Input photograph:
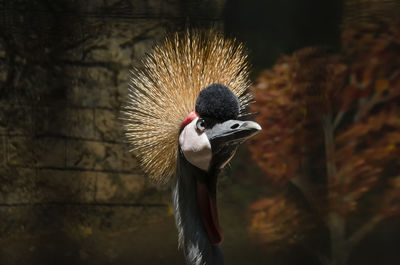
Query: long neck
(192, 234)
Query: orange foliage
(276, 219)
(365, 153)
(288, 97)
(332, 121)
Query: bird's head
(211, 134)
(208, 140)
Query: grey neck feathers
(192, 234)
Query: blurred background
(319, 185)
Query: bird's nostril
(235, 126)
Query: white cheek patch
(195, 146)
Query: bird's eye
(201, 125)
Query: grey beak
(233, 131)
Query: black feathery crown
(218, 102)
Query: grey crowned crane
(184, 118)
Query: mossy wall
(70, 191)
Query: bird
(184, 117)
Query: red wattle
(190, 117)
(208, 209)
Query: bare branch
(364, 230)
(338, 118)
(304, 185)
